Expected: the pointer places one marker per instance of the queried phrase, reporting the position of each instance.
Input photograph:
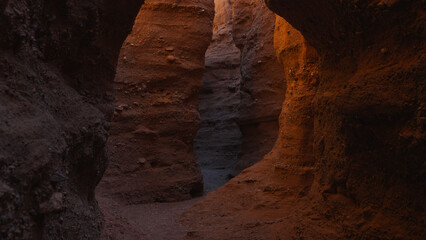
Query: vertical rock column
(156, 114)
(300, 63)
(219, 139)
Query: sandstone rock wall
(262, 84)
(368, 111)
(156, 108)
(57, 63)
(218, 141)
(300, 63)
(242, 93)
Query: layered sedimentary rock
(156, 108)
(219, 139)
(349, 160)
(57, 62)
(262, 80)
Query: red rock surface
(156, 117)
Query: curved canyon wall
(57, 64)
(368, 111)
(156, 108)
(349, 160)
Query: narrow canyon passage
(153, 168)
(156, 108)
(213, 120)
(157, 84)
(243, 89)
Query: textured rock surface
(242, 94)
(156, 117)
(219, 139)
(57, 61)
(262, 80)
(368, 129)
(259, 203)
(349, 160)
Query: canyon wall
(242, 93)
(156, 108)
(262, 84)
(348, 162)
(218, 141)
(57, 64)
(349, 159)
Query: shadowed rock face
(57, 61)
(156, 109)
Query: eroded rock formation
(156, 108)
(349, 160)
(57, 61)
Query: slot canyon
(213, 119)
